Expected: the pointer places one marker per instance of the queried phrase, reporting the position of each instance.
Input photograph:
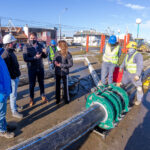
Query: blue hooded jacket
(5, 81)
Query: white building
(94, 37)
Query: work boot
(67, 102)
(31, 102)
(11, 127)
(17, 115)
(44, 99)
(57, 101)
(137, 103)
(7, 134)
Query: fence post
(128, 39)
(87, 43)
(124, 44)
(102, 43)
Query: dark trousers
(32, 80)
(65, 87)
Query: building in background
(43, 34)
(80, 37)
(22, 34)
(17, 32)
(69, 40)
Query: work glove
(136, 78)
(120, 69)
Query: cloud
(135, 7)
(146, 24)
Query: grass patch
(78, 53)
(145, 56)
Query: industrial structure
(94, 37)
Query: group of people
(132, 65)
(60, 60)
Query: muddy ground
(132, 133)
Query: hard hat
(53, 42)
(132, 44)
(112, 39)
(8, 38)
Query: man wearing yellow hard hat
(133, 66)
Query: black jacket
(66, 63)
(29, 53)
(12, 63)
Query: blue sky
(97, 14)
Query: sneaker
(19, 108)
(44, 99)
(7, 134)
(137, 103)
(17, 115)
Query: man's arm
(139, 62)
(26, 57)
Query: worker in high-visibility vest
(51, 50)
(133, 66)
(111, 54)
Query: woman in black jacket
(63, 61)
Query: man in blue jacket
(5, 90)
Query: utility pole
(60, 22)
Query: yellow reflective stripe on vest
(130, 66)
(111, 56)
(51, 54)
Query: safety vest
(52, 53)
(130, 66)
(111, 55)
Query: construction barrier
(102, 43)
(87, 43)
(124, 44)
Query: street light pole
(138, 22)
(59, 28)
(60, 22)
(138, 28)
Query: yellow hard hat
(132, 45)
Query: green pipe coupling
(114, 100)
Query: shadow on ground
(140, 139)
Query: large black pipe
(65, 133)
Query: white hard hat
(8, 38)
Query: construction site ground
(132, 132)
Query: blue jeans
(3, 108)
(107, 71)
(13, 95)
